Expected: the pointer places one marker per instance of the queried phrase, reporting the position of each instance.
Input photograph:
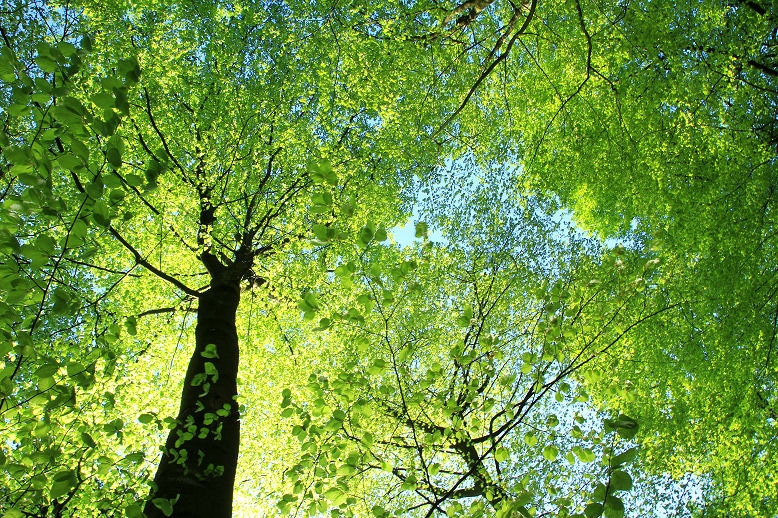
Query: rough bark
(200, 456)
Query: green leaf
(624, 457)
(27, 175)
(8, 64)
(134, 511)
(464, 320)
(614, 507)
(345, 470)
(421, 229)
(625, 426)
(101, 213)
(620, 481)
(550, 453)
(347, 209)
(324, 323)
(77, 235)
(211, 370)
(584, 454)
(146, 418)
(86, 43)
(309, 303)
(66, 48)
(600, 491)
(114, 156)
(381, 235)
(410, 483)
(114, 426)
(130, 70)
(322, 199)
(75, 368)
(154, 169)
(49, 368)
(41, 430)
(88, 440)
(131, 325)
(47, 64)
(116, 196)
(164, 504)
(501, 454)
(103, 100)
(210, 351)
(133, 180)
(335, 495)
(524, 498)
(378, 366)
(41, 98)
(323, 233)
(593, 510)
(365, 235)
(322, 172)
(63, 482)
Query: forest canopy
(418, 258)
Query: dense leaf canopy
(477, 258)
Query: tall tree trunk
(201, 453)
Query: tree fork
(197, 470)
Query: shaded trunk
(201, 453)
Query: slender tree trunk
(201, 453)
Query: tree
(666, 141)
(653, 124)
(163, 161)
(95, 148)
(455, 388)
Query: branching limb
(491, 67)
(139, 259)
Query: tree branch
(763, 68)
(156, 271)
(490, 68)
